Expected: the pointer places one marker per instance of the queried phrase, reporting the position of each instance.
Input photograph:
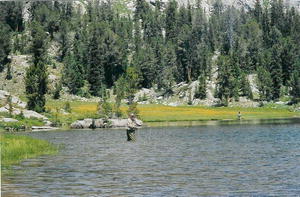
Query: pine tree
(5, 46)
(8, 73)
(166, 70)
(257, 12)
(201, 91)
(141, 9)
(12, 14)
(276, 72)
(64, 40)
(96, 73)
(288, 56)
(183, 55)
(277, 14)
(57, 90)
(145, 61)
(36, 76)
(295, 82)
(171, 21)
(128, 84)
(245, 87)
(72, 76)
(137, 37)
(225, 80)
(114, 58)
(264, 82)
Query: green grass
(16, 148)
(79, 110)
(162, 113)
(22, 122)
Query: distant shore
(163, 115)
(153, 113)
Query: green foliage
(11, 14)
(171, 21)
(295, 85)
(67, 107)
(201, 90)
(57, 90)
(84, 91)
(264, 84)
(105, 109)
(36, 76)
(167, 68)
(164, 46)
(12, 126)
(72, 75)
(127, 85)
(15, 148)
(145, 62)
(132, 109)
(96, 60)
(225, 80)
(8, 73)
(245, 87)
(5, 46)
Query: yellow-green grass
(79, 110)
(15, 148)
(163, 113)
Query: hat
(132, 115)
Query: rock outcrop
(101, 123)
(18, 107)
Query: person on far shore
(239, 115)
(132, 126)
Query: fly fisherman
(132, 126)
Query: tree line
(158, 45)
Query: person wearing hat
(131, 127)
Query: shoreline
(287, 120)
(189, 123)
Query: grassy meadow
(163, 113)
(16, 148)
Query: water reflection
(225, 122)
(177, 161)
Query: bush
(56, 93)
(67, 107)
(133, 109)
(105, 109)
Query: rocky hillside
(206, 4)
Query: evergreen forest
(104, 45)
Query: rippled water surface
(236, 160)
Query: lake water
(235, 160)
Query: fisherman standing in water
(239, 115)
(132, 126)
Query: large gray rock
(8, 120)
(118, 122)
(82, 124)
(26, 113)
(253, 83)
(3, 94)
(4, 110)
(101, 123)
(145, 96)
(33, 114)
(14, 100)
